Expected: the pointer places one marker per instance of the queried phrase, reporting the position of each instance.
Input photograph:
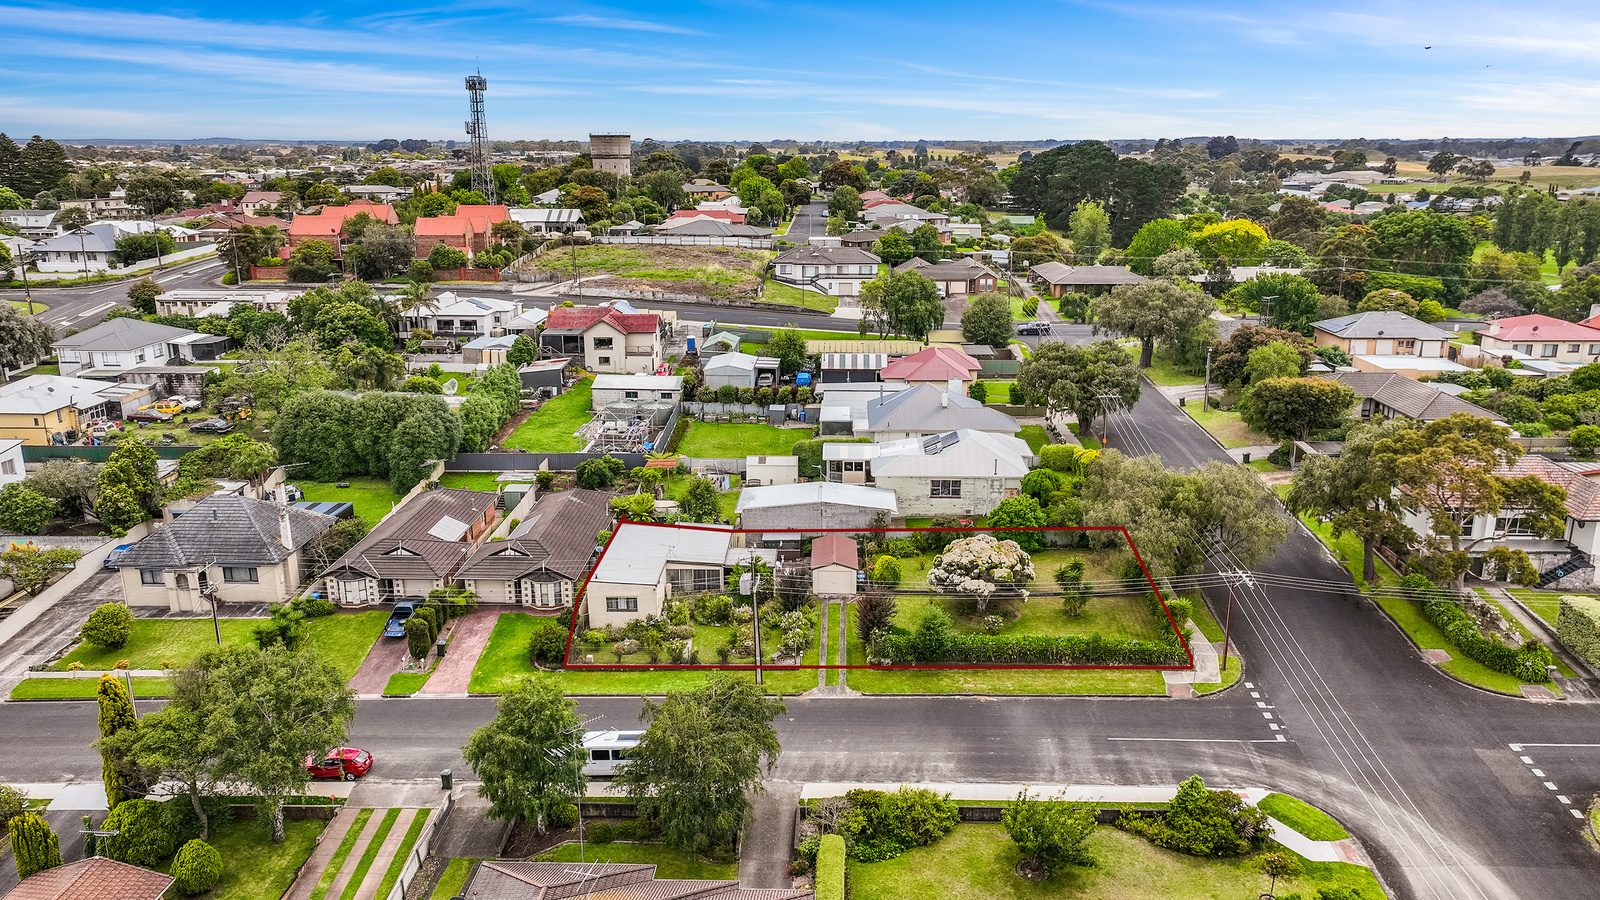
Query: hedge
(830, 868)
(1091, 649)
(1527, 662)
(1578, 626)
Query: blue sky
(753, 69)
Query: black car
(211, 426)
(1034, 328)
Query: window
(1515, 526)
(631, 395)
(1405, 346)
(666, 395)
(1574, 348)
(603, 360)
(1594, 349)
(1547, 349)
(622, 604)
(239, 574)
(603, 343)
(150, 576)
(181, 581)
(8, 467)
(694, 581)
(1523, 348)
(944, 488)
(600, 755)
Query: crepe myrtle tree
(977, 565)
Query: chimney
(1594, 310)
(944, 399)
(284, 535)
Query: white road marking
(1564, 800)
(93, 310)
(1273, 725)
(1260, 705)
(1537, 773)
(1518, 747)
(1528, 760)
(1255, 695)
(1267, 714)
(1182, 740)
(1550, 785)
(1575, 813)
(1248, 685)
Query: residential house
(1060, 278)
(700, 189)
(929, 409)
(953, 278)
(416, 549)
(544, 560)
(469, 229)
(863, 238)
(97, 878)
(1543, 338)
(79, 250)
(935, 365)
(645, 564)
(690, 215)
(640, 387)
(703, 226)
(114, 206)
(119, 344)
(218, 228)
(382, 193)
(507, 879)
(604, 338)
(12, 467)
(892, 213)
(852, 367)
(836, 271)
(547, 221)
(960, 473)
(815, 505)
(228, 547)
(328, 223)
(843, 410)
(450, 314)
(1392, 395)
(835, 562)
(528, 322)
(36, 224)
(252, 201)
(200, 303)
(43, 409)
(1389, 342)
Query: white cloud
(587, 21)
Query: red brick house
(469, 230)
(328, 225)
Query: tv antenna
(478, 151)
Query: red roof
(383, 212)
(932, 364)
(443, 226)
(582, 318)
(96, 878)
(833, 549)
(489, 213)
(316, 226)
(1539, 328)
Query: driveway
(810, 220)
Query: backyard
(371, 497)
(976, 862)
(709, 440)
(710, 271)
(551, 427)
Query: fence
(687, 240)
(608, 293)
(97, 454)
(490, 275)
(419, 850)
(725, 465)
(525, 460)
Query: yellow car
(170, 407)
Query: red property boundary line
(583, 593)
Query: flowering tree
(975, 565)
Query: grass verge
(351, 835)
(1227, 427)
(1302, 817)
(83, 688)
(344, 639)
(550, 428)
(406, 682)
(359, 874)
(789, 295)
(669, 862)
(453, 879)
(400, 854)
(1165, 372)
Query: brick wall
(269, 273)
(466, 274)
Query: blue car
(115, 554)
(396, 626)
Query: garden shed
(834, 563)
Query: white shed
(763, 470)
(737, 369)
(834, 563)
(643, 388)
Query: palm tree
(416, 297)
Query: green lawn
(453, 879)
(677, 485)
(340, 854)
(253, 867)
(789, 295)
(1302, 817)
(21, 306)
(371, 497)
(1165, 372)
(364, 864)
(975, 862)
(343, 639)
(551, 428)
(401, 853)
(1036, 437)
(154, 643)
(708, 440)
(471, 481)
(1227, 427)
(1234, 671)
(82, 688)
(406, 682)
(669, 863)
(997, 391)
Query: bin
(447, 780)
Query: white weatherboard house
(646, 564)
(815, 505)
(119, 344)
(960, 473)
(639, 387)
(835, 271)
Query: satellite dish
(450, 387)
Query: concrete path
(323, 854)
(822, 647)
(454, 673)
(1207, 665)
(764, 853)
(468, 832)
(386, 853)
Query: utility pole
(1108, 404)
(752, 578)
(27, 292)
(1205, 402)
(1227, 629)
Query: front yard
(253, 867)
(1227, 427)
(550, 429)
(789, 295)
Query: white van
(606, 751)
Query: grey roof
(958, 454)
(826, 256)
(1384, 325)
(46, 393)
(422, 539)
(718, 228)
(95, 239)
(813, 493)
(966, 269)
(226, 529)
(121, 334)
(930, 408)
(1061, 273)
(1412, 399)
(557, 537)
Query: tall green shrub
(1074, 597)
(1578, 626)
(882, 825)
(143, 837)
(116, 714)
(1203, 822)
(36, 848)
(108, 626)
(830, 868)
(197, 867)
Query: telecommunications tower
(478, 152)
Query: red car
(348, 763)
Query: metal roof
(811, 493)
(1382, 324)
(45, 393)
(958, 454)
(638, 553)
(122, 334)
(640, 381)
(929, 407)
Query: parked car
(115, 554)
(764, 380)
(1033, 328)
(348, 763)
(605, 752)
(170, 407)
(211, 426)
(396, 626)
(188, 404)
(148, 415)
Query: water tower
(611, 153)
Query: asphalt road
(81, 307)
(810, 220)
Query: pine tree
(34, 845)
(116, 714)
(10, 159)
(40, 167)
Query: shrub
(830, 868)
(1203, 822)
(544, 480)
(1049, 832)
(13, 802)
(713, 609)
(1074, 597)
(197, 867)
(108, 625)
(600, 473)
(1527, 662)
(34, 846)
(1578, 626)
(886, 570)
(601, 833)
(874, 613)
(230, 278)
(881, 825)
(594, 637)
(548, 643)
(564, 816)
(999, 649)
(143, 837)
